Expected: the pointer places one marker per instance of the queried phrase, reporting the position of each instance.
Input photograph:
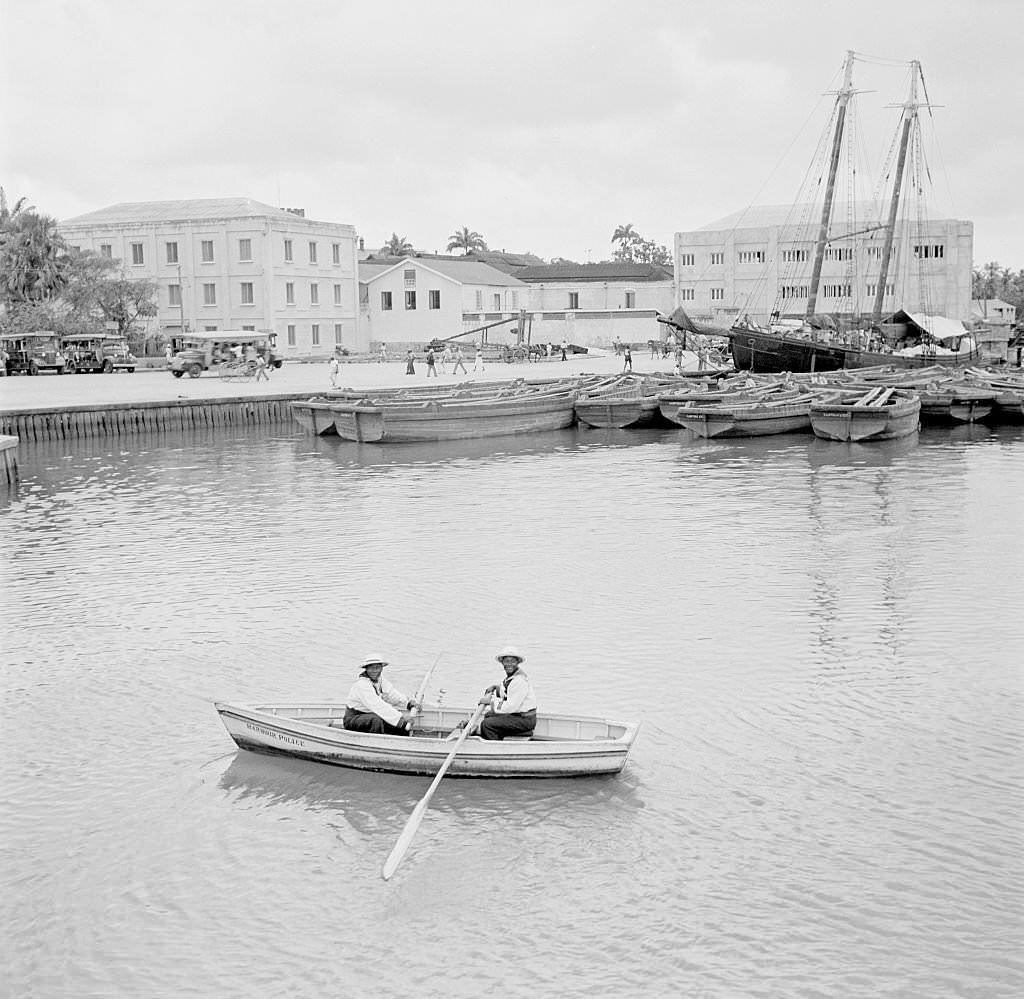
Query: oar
(413, 823)
(422, 689)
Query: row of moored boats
(856, 405)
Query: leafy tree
(33, 257)
(625, 235)
(124, 301)
(995, 281)
(7, 214)
(87, 275)
(634, 248)
(32, 316)
(465, 239)
(397, 246)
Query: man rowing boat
(512, 704)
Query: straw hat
(510, 650)
(373, 661)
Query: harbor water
(822, 642)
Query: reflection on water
(821, 640)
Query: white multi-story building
(758, 262)
(233, 263)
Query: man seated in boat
(374, 705)
(512, 705)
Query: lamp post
(181, 300)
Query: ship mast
(909, 119)
(842, 100)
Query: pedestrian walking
(332, 366)
(431, 363)
(4, 358)
(261, 369)
(410, 365)
(382, 356)
(627, 359)
(446, 358)
(478, 360)
(168, 352)
(565, 348)
(459, 362)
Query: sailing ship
(816, 342)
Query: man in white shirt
(512, 703)
(374, 705)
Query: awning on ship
(937, 327)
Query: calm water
(823, 643)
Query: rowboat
(878, 414)
(628, 401)
(753, 418)
(513, 410)
(561, 745)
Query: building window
(410, 278)
(174, 295)
(206, 251)
(686, 294)
(750, 257)
(385, 301)
(497, 302)
(289, 293)
(172, 252)
(138, 255)
(630, 299)
(245, 251)
(106, 250)
(209, 329)
(288, 254)
(514, 296)
(434, 301)
(479, 299)
(574, 299)
(927, 251)
(839, 253)
(795, 291)
(410, 300)
(336, 255)
(312, 252)
(872, 289)
(209, 294)
(717, 258)
(249, 329)
(875, 253)
(337, 333)
(837, 291)
(247, 298)
(291, 334)
(314, 293)
(717, 294)
(686, 260)
(794, 256)
(316, 334)
(337, 294)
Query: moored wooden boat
(514, 410)
(561, 746)
(314, 416)
(751, 419)
(958, 403)
(629, 401)
(877, 414)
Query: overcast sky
(542, 125)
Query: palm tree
(397, 246)
(465, 239)
(625, 235)
(33, 257)
(8, 215)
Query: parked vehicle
(33, 353)
(199, 352)
(97, 352)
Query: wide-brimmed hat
(510, 651)
(373, 661)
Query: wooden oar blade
(398, 851)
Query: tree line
(995, 281)
(45, 285)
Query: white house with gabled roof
(413, 300)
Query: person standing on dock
(565, 348)
(431, 363)
(512, 704)
(383, 355)
(410, 363)
(478, 361)
(459, 361)
(374, 705)
(332, 365)
(627, 359)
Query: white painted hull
(562, 746)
